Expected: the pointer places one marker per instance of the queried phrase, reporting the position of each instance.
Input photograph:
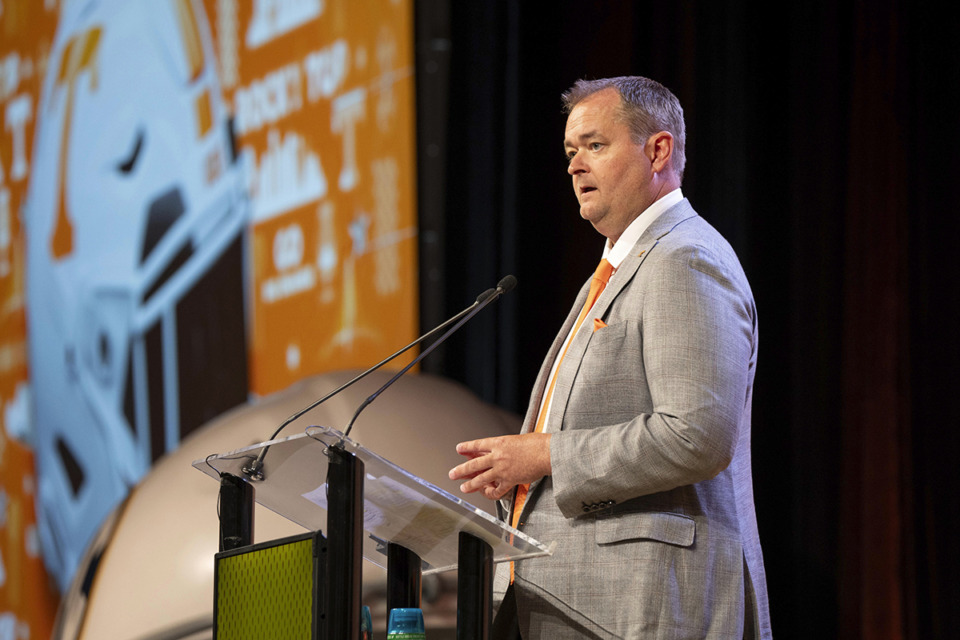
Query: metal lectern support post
(474, 588)
(236, 512)
(344, 543)
(404, 578)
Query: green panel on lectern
(267, 590)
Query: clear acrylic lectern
(325, 482)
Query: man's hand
(497, 465)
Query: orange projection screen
(201, 201)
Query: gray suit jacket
(651, 498)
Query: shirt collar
(616, 253)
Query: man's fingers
(481, 482)
(472, 485)
(496, 491)
(475, 448)
(464, 476)
(497, 464)
(468, 469)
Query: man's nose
(576, 165)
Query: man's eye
(595, 146)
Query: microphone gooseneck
(254, 470)
(484, 299)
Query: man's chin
(601, 228)
(589, 214)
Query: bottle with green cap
(406, 624)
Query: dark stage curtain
(821, 143)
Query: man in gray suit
(635, 451)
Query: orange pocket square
(598, 324)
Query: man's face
(611, 173)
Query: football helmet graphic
(135, 219)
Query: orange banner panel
(28, 598)
(323, 99)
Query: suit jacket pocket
(618, 344)
(608, 339)
(672, 528)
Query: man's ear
(659, 150)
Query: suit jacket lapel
(660, 227)
(571, 360)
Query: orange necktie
(600, 279)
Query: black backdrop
(821, 143)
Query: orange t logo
(78, 56)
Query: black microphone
(505, 285)
(255, 470)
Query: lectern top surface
(399, 507)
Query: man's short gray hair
(648, 106)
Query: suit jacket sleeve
(659, 393)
